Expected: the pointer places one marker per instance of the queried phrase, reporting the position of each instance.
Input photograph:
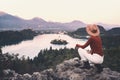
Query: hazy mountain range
(10, 22)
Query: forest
(14, 37)
(44, 60)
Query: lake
(31, 48)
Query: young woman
(95, 55)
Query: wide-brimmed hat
(92, 30)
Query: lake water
(31, 48)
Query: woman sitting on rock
(95, 55)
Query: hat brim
(91, 33)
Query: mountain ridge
(10, 22)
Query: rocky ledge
(68, 70)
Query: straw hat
(92, 30)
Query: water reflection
(32, 47)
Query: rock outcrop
(68, 70)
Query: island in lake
(59, 42)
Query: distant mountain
(74, 25)
(82, 31)
(113, 31)
(108, 26)
(10, 22)
(102, 29)
(2, 13)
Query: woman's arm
(85, 45)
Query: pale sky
(88, 11)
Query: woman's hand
(77, 46)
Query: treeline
(14, 37)
(110, 41)
(111, 45)
(44, 60)
(112, 58)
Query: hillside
(82, 31)
(15, 37)
(113, 31)
(57, 64)
(67, 70)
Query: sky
(88, 11)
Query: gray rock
(68, 70)
(26, 76)
(19, 77)
(36, 76)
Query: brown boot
(99, 68)
(86, 65)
